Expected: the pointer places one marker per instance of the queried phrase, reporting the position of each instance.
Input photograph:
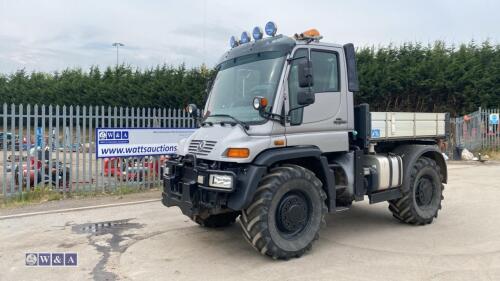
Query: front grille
(201, 147)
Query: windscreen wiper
(239, 122)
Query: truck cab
(280, 143)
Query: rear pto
(281, 144)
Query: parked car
(26, 145)
(10, 139)
(127, 169)
(53, 172)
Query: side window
(325, 71)
(293, 87)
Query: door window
(325, 71)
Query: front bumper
(186, 185)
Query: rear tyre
(219, 220)
(286, 213)
(420, 203)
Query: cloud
(55, 34)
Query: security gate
(477, 131)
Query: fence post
(481, 127)
(103, 124)
(109, 125)
(70, 149)
(13, 146)
(487, 123)
(20, 166)
(57, 145)
(35, 145)
(78, 148)
(91, 159)
(153, 159)
(65, 147)
(127, 159)
(116, 161)
(143, 159)
(84, 151)
(497, 136)
(28, 144)
(121, 160)
(51, 143)
(4, 150)
(43, 146)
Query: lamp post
(117, 45)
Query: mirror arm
(271, 116)
(290, 60)
(287, 117)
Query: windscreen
(241, 79)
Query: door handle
(339, 121)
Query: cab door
(323, 123)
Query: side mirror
(305, 73)
(259, 103)
(192, 109)
(305, 98)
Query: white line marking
(76, 209)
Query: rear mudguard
(410, 153)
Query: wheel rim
(424, 193)
(293, 215)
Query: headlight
(221, 181)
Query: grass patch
(118, 190)
(42, 194)
(37, 195)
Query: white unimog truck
(281, 144)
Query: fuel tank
(386, 171)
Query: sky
(52, 35)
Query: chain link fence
(55, 146)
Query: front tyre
(286, 213)
(420, 203)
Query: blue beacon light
(245, 37)
(271, 28)
(257, 33)
(233, 42)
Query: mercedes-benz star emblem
(200, 146)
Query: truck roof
(279, 43)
